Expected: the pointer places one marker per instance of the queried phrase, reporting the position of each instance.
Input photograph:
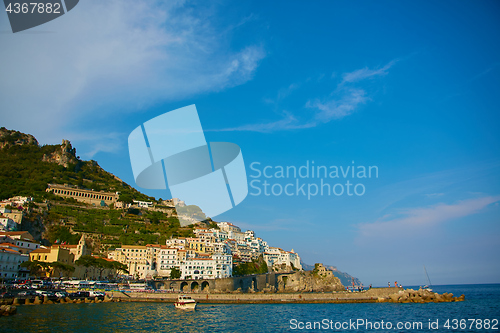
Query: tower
(81, 248)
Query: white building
(244, 252)
(237, 236)
(208, 255)
(15, 215)
(249, 234)
(10, 261)
(205, 235)
(222, 247)
(140, 260)
(278, 257)
(25, 245)
(143, 204)
(207, 267)
(228, 226)
(20, 201)
(179, 243)
(7, 224)
(167, 259)
(22, 239)
(257, 245)
(220, 235)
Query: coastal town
(249, 166)
(84, 235)
(210, 254)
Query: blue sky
(410, 87)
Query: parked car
(43, 293)
(62, 294)
(36, 284)
(7, 294)
(25, 286)
(97, 294)
(27, 293)
(80, 294)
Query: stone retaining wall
(343, 297)
(374, 295)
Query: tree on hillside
(126, 197)
(63, 234)
(175, 273)
(258, 266)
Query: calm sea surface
(482, 302)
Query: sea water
(481, 306)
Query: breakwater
(9, 305)
(374, 295)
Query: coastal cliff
(318, 280)
(63, 155)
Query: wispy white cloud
(288, 122)
(366, 73)
(493, 67)
(333, 109)
(100, 142)
(347, 97)
(421, 219)
(107, 58)
(434, 195)
(282, 94)
(459, 88)
(454, 182)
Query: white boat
(185, 302)
(429, 284)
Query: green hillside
(26, 168)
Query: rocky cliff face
(344, 277)
(308, 281)
(10, 138)
(62, 156)
(399, 295)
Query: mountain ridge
(26, 168)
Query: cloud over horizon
(419, 219)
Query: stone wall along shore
(374, 295)
(9, 306)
